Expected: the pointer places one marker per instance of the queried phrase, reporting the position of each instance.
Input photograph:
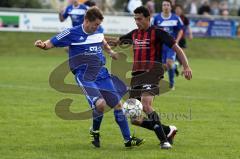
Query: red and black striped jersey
(147, 46)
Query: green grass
(30, 129)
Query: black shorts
(183, 43)
(145, 81)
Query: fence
(36, 21)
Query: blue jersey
(173, 24)
(76, 13)
(85, 51)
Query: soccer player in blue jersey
(76, 11)
(172, 24)
(86, 60)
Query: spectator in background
(225, 13)
(192, 7)
(223, 6)
(173, 4)
(239, 12)
(186, 28)
(151, 6)
(204, 9)
(133, 4)
(76, 11)
(215, 8)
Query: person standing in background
(186, 31)
(172, 24)
(76, 11)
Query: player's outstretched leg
(123, 125)
(94, 131)
(97, 120)
(171, 75)
(170, 130)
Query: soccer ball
(132, 108)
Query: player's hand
(114, 55)
(61, 9)
(40, 44)
(187, 72)
(190, 37)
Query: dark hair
(142, 10)
(93, 13)
(90, 3)
(169, 1)
(178, 5)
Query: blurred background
(191, 6)
(201, 13)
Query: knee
(100, 105)
(170, 64)
(118, 106)
(147, 107)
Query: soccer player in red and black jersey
(148, 70)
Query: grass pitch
(205, 110)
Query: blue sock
(171, 74)
(97, 119)
(123, 124)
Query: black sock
(157, 126)
(166, 129)
(147, 124)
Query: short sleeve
(154, 20)
(62, 39)
(127, 38)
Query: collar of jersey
(75, 7)
(84, 30)
(167, 17)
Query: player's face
(92, 26)
(178, 11)
(141, 21)
(166, 7)
(75, 1)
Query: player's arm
(168, 40)
(112, 41)
(62, 15)
(187, 72)
(60, 40)
(124, 39)
(43, 45)
(109, 50)
(179, 35)
(180, 26)
(189, 30)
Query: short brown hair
(93, 13)
(169, 1)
